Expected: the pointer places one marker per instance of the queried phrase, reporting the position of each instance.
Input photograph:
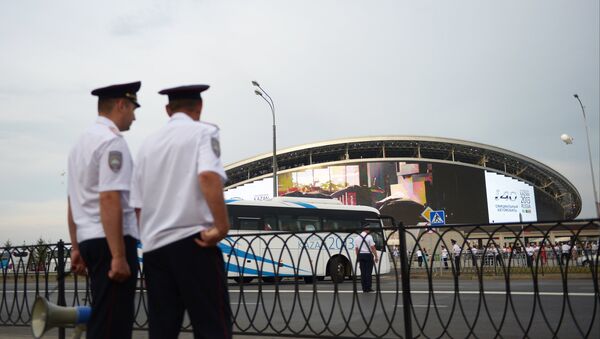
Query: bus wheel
(271, 280)
(337, 270)
(244, 280)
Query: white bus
(299, 238)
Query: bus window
(270, 223)
(309, 223)
(250, 224)
(340, 224)
(287, 223)
(232, 224)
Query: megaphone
(46, 315)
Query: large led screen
(402, 190)
(509, 200)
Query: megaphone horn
(46, 315)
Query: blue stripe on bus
(303, 204)
(248, 256)
(236, 269)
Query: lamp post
(260, 91)
(587, 133)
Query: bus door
(245, 254)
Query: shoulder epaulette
(210, 124)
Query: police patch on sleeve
(216, 147)
(115, 160)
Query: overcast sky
(501, 73)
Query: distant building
(403, 175)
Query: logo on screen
(506, 195)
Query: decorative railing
(304, 284)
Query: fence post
(406, 298)
(60, 276)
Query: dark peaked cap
(185, 92)
(127, 91)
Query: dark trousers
(184, 276)
(420, 261)
(445, 263)
(529, 260)
(112, 302)
(365, 260)
(457, 264)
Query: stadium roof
(412, 148)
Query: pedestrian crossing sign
(437, 218)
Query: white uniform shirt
(444, 253)
(566, 248)
(364, 242)
(165, 180)
(456, 249)
(419, 253)
(99, 162)
(530, 250)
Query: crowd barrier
(307, 284)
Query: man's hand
(77, 263)
(119, 269)
(210, 237)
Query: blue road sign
(437, 218)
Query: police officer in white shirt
(457, 251)
(445, 256)
(366, 254)
(474, 253)
(102, 225)
(565, 252)
(420, 257)
(177, 189)
(529, 251)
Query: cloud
(138, 22)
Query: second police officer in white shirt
(177, 189)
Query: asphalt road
(320, 309)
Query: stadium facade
(403, 175)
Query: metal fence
(304, 284)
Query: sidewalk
(25, 333)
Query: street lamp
(260, 91)
(587, 133)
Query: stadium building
(403, 175)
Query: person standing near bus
(420, 257)
(529, 252)
(366, 254)
(102, 224)
(457, 251)
(177, 190)
(565, 252)
(445, 256)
